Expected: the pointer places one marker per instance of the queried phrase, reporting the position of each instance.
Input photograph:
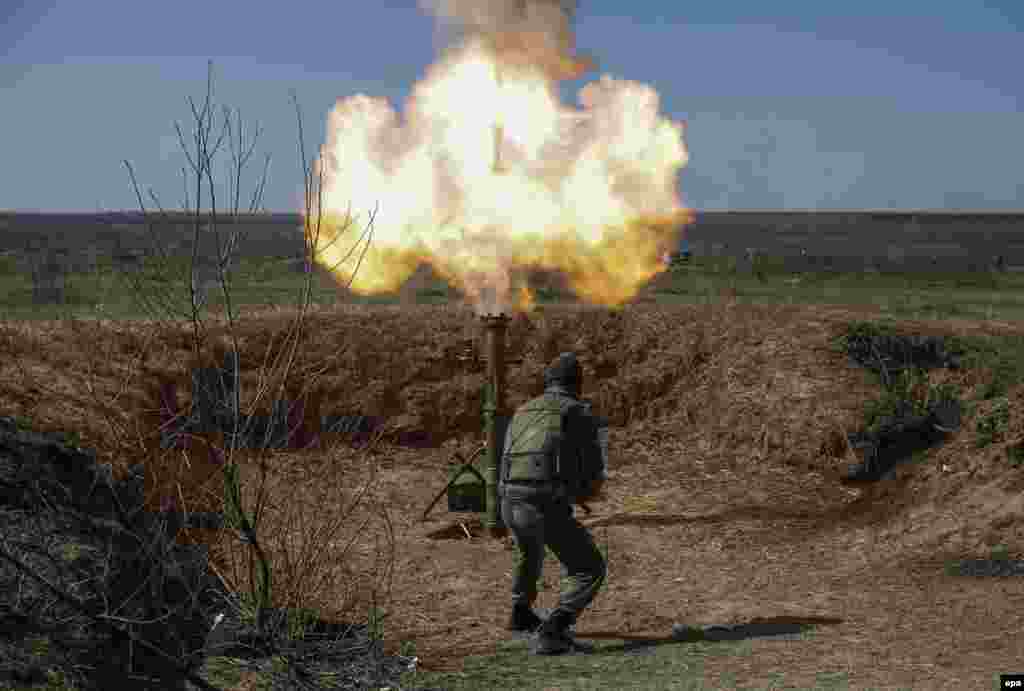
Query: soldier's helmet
(565, 371)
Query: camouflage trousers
(539, 521)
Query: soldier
(552, 459)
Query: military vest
(536, 446)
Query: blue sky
(799, 104)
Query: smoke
(534, 33)
(493, 17)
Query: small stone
(683, 632)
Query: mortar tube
(499, 130)
(495, 419)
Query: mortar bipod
(467, 465)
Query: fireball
(487, 173)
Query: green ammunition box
(468, 493)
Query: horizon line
(806, 210)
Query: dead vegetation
(720, 410)
(215, 491)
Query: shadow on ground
(740, 513)
(759, 627)
(472, 527)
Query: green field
(261, 282)
(614, 665)
(972, 295)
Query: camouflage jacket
(555, 439)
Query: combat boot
(524, 620)
(554, 638)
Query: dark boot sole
(573, 648)
(571, 651)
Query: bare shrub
(273, 553)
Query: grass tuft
(992, 426)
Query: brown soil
(723, 503)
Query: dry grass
(727, 422)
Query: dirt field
(723, 505)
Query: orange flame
(587, 191)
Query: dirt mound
(67, 524)
(78, 546)
(730, 430)
(766, 382)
